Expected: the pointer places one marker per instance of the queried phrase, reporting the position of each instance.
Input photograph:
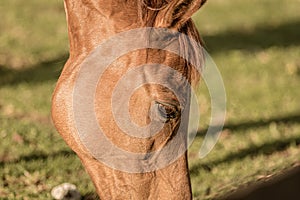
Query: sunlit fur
(91, 22)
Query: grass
(256, 46)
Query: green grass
(256, 46)
(31, 32)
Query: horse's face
(151, 90)
(140, 101)
(141, 104)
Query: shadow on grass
(42, 156)
(264, 149)
(90, 196)
(42, 72)
(284, 186)
(261, 37)
(38, 156)
(295, 118)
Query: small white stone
(65, 191)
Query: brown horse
(90, 23)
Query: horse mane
(155, 5)
(154, 13)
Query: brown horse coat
(91, 22)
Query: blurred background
(256, 46)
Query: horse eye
(165, 112)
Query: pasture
(256, 46)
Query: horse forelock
(165, 14)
